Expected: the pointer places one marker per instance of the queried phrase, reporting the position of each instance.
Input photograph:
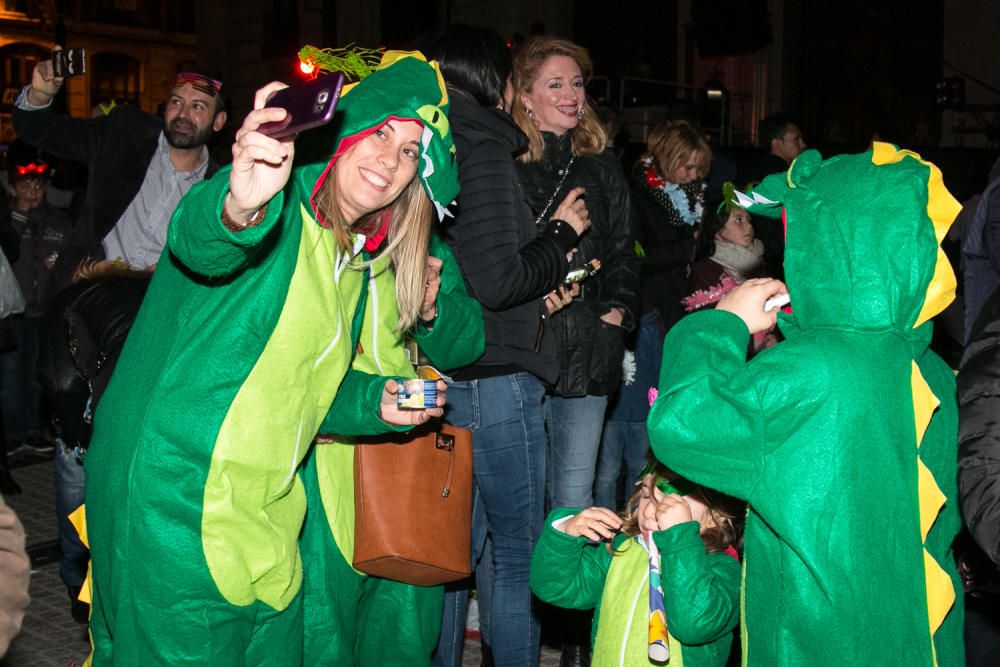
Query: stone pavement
(49, 636)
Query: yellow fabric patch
(924, 402)
(942, 209)
(931, 499)
(78, 518)
(940, 592)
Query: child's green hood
(863, 239)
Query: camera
(69, 62)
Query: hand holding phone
(307, 105)
(582, 273)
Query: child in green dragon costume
(242, 352)
(665, 586)
(842, 437)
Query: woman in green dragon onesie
(843, 438)
(241, 353)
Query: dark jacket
(979, 430)
(508, 267)
(668, 249)
(117, 150)
(590, 351)
(82, 337)
(42, 233)
(981, 254)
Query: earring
(579, 114)
(531, 114)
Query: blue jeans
(508, 439)
(70, 483)
(574, 437)
(621, 440)
(20, 391)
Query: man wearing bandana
(139, 165)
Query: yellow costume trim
(78, 518)
(939, 591)
(924, 402)
(942, 208)
(931, 499)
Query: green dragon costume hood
(863, 236)
(404, 86)
(895, 207)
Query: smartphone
(309, 104)
(69, 62)
(584, 272)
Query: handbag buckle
(444, 442)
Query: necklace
(565, 172)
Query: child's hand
(747, 302)
(672, 510)
(594, 523)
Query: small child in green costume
(679, 608)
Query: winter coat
(842, 437)
(981, 254)
(82, 337)
(508, 267)
(978, 430)
(667, 253)
(701, 591)
(43, 232)
(590, 350)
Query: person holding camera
(138, 165)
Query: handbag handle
(446, 442)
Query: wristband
(234, 226)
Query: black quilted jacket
(81, 339)
(590, 351)
(979, 429)
(508, 267)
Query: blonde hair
(588, 137)
(410, 220)
(671, 143)
(92, 269)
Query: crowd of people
(654, 445)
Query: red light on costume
(308, 68)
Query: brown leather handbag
(413, 505)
